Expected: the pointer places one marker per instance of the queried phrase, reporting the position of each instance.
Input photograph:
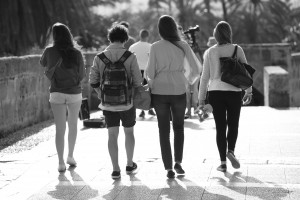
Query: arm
(195, 67)
(204, 79)
(248, 92)
(43, 60)
(150, 69)
(94, 76)
(137, 78)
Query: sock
(223, 162)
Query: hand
(247, 98)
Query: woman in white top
(165, 74)
(225, 99)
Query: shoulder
(157, 44)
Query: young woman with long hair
(65, 88)
(225, 99)
(167, 78)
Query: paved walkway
(268, 148)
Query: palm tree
(27, 22)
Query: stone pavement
(268, 148)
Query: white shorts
(61, 98)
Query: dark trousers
(162, 105)
(226, 110)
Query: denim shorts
(127, 117)
(62, 98)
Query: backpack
(116, 88)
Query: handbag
(235, 72)
(142, 97)
(49, 71)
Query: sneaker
(151, 112)
(130, 169)
(187, 116)
(171, 174)
(234, 162)
(116, 175)
(179, 169)
(142, 114)
(222, 168)
(61, 168)
(71, 162)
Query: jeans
(226, 110)
(163, 104)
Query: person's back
(141, 49)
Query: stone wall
(24, 92)
(261, 55)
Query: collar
(116, 46)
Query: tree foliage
(25, 23)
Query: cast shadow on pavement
(251, 186)
(67, 189)
(179, 188)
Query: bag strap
(104, 59)
(234, 53)
(124, 56)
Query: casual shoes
(179, 169)
(222, 168)
(171, 174)
(116, 175)
(151, 112)
(142, 114)
(130, 169)
(71, 161)
(61, 168)
(234, 162)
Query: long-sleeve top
(114, 52)
(211, 76)
(58, 84)
(165, 69)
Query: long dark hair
(223, 33)
(63, 41)
(168, 30)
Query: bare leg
(129, 144)
(59, 112)
(73, 112)
(113, 133)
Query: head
(223, 33)
(62, 36)
(118, 33)
(144, 35)
(211, 41)
(124, 23)
(168, 29)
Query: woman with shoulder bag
(225, 99)
(65, 88)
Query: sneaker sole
(234, 162)
(130, 172)
(115, 177)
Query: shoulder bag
(235, 72)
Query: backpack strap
(234, 53)
(124, 56)
(104, 59)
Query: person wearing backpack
(67, 62)
(172, 64)
(113, 75)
